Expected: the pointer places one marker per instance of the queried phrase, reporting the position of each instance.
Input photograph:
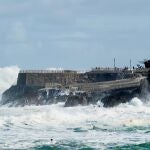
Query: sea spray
(8, 77)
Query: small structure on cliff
(147, 63)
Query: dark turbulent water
(126, 126)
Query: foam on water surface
(94, 127)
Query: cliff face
(20, 94)
(110, 93)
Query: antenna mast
(130, 64)
(114, 63)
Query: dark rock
(75, 100)
(120, 96)
(20, 95)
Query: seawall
(67, 77)
(41, 78)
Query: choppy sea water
(126, 126)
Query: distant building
(147, 63)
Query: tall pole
(130, 64)
(114, 63)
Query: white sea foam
(8, 77)
(136, 102)
(88, 124)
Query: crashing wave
(8, 77)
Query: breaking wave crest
(8, 77)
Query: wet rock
(120, 96)
(20, 95)
(75, 100)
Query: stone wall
(41, 79)
(67, 77)
(21, 79)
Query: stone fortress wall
(43, 78)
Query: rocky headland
(110, 86)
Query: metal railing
(97, 69)
(54, 71)
(64, 71)
(109, 69)
(41, 71)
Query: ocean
(55, 127)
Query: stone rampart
(44, 78)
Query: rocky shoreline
(110, 87)
(28, 95)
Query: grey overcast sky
(73, 34)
